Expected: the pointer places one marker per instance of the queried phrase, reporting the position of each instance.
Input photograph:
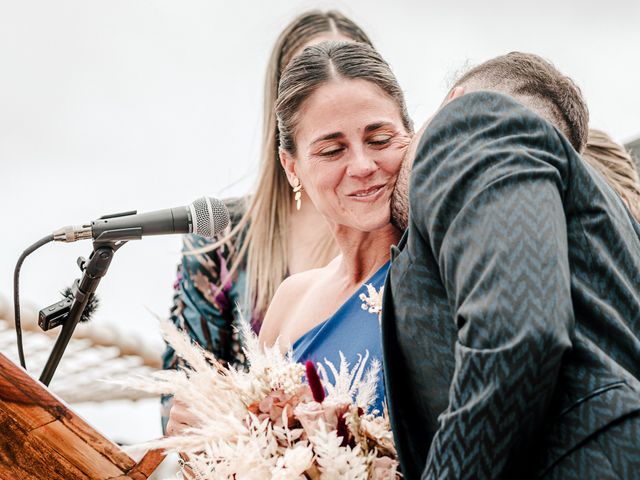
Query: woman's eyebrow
(376, 126)
(369, 128)
(330, 136)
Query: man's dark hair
(540, 86)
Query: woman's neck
(309, 239)
(363, 253)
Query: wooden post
(41, 437)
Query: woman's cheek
(324, 186)
(393, 161)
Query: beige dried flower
(293, 464)
(337, 461)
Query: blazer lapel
(389, 345)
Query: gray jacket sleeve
(487, 196)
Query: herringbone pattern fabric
(607, 455)
(512, 313)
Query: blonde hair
(260, 236)
(616, 166)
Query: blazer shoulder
(488, 114)
(485, 135)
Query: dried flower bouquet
(279, 420)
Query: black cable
(16, 293)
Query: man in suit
(511, 315)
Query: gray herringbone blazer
(511, 319)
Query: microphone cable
(16, 292)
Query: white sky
(121, 105)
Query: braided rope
(94, 353)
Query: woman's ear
(456, 92)
(288, 164)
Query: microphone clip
(55, 314)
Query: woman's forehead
(346, 104)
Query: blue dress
(350, 330)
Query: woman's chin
(373, 224)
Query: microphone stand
(93, 270)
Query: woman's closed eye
(380, 139)
(331, 151)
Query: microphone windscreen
(91, 307)
(210, 216)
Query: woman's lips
(368, 194)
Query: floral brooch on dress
(372, 300)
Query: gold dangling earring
(297, 189)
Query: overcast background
(120, 105)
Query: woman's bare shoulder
(283, 305)
(288, 297)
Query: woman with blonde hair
(274, 233)
(344, 130)
(616, 166)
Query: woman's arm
(179, 419)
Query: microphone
(206, 217)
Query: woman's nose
(361, 164)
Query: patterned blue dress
(351, 330)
